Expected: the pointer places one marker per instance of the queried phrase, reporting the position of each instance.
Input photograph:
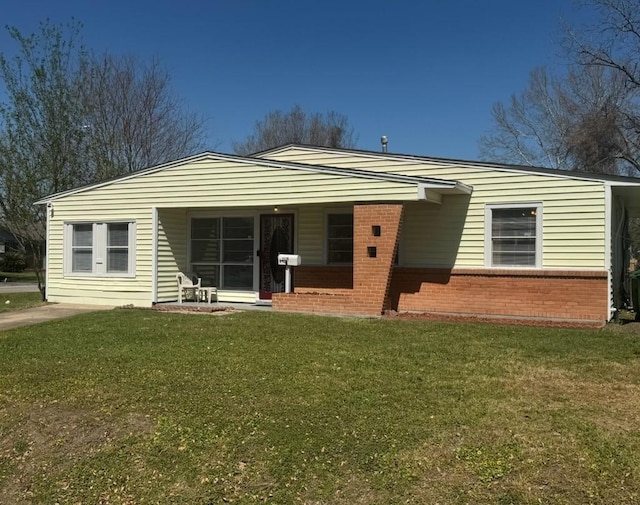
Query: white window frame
(488, 233)
(327, 213)
(99, 249)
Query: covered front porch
(347, 252)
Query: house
(375, 231)
(8, 241)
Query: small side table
(205, 293)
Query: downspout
(608, 237)
(154, 255)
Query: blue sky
(424, 73)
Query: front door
(276, 237)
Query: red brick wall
(327, 290)
(523, 293)
(320, 303)
(547, 294)
(323, 278)
(372, 276)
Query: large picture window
(513, 235)
(222, 250)
(100, 249)
(340, 238)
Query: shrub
(13, 261)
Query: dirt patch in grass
(578, 434)
(559, 436)
(495, 319)
(37, 438)
(550, 388)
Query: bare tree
(298, 127)
(531, 128)
(588, 118)
(612, 42)
(575, 122)
(131, 118)
(71, 119)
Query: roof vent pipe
(384, 141)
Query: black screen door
(276, 237)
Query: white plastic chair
(186, 285)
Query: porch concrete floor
(203, 306)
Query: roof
(573, 174)
(422, 182)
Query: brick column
(376, 229)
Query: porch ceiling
(630, 195)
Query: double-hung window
(513, 235)
(81, 247)
(340, 238)
(105, 249)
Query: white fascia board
(617, 184)
(434, 192)
(463, 188)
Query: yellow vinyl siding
(217, 184)
(573, 210)
(431, 234)
(172, 251)
(101, 290)
(310, 231)
(107, 294)
(573, 230)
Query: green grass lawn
(141, 407)
(26, 276)
(17, 301)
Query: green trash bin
(635, 292)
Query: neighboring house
(8, 241)
(375, 231)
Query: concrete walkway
(26, 317)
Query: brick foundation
(519, 294)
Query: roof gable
(230, 166)
(480, 165)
